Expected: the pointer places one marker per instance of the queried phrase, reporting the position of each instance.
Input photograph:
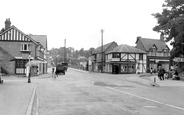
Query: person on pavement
(161, 72)
(53, 71)
(151, 70)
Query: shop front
(123, 68)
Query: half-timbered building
(98, 56)
(158, 53)
(20, 46)
(125, 59)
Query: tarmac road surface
(86, 93)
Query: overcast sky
(80, 21)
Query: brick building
(19, 45)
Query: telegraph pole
(102, 50)
(65, 51)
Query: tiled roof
(148, 43)
(99, 50)
(40, 38)
(126, 49)
(6, 55)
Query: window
(25, 47)
(165, 52)
(21, 63)
(140, 56)
(116, 55)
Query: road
(84, 93)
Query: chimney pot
(7, 23)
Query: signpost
(178, 59)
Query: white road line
(176, 107)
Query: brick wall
(13, 48)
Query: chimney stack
(162, 36)
(7, 23)
(138, 37)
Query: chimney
(138, 37)
(7, 23)
(162, 36)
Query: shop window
(21, 63)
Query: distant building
(158, 53)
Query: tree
(171, 24)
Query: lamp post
(29, 74)
(102, 50)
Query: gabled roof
(99, 49)
(148, 43)
(27, 37)
(42, 39)
(126, 49)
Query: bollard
(154, 79)
(1, 81)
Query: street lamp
(29, 74)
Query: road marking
(176, 107)
(150, 106)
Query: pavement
(17, 97)
(154, 80)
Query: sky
(80, 21)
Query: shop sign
(178, 59)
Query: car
(60, 69)
(65, 65)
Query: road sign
(178, 59)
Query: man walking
(161, 72)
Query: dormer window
(153, 50)
(41, 49)
(165, 52)
(25, 47)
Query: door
(116, 68)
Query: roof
(126, 49)
(26, 36)
(6, 55)
(148, 43)
(40, 38)
(99, 49)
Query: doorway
(115, 68)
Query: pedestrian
(151, 70)
(175, 75)
(52, 71)
(161, 72)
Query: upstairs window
(25, 47)
(116, 55)
(165, 52)
(140, 56)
